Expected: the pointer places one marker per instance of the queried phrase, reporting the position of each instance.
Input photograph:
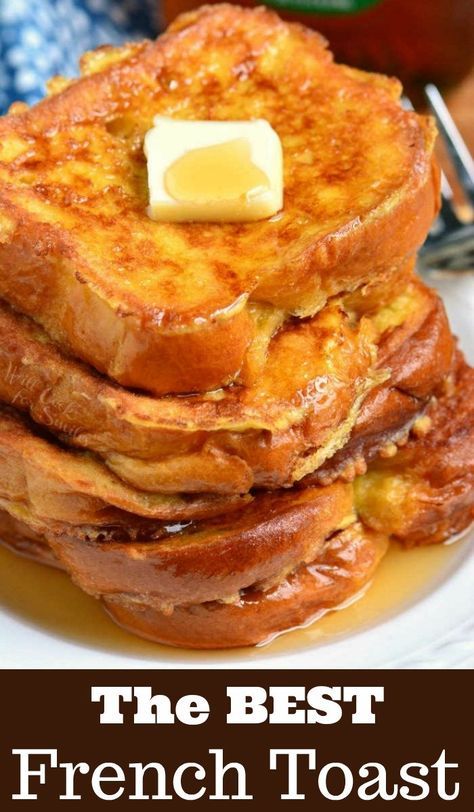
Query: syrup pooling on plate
(33, 593)
(402, 578)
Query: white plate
(45, 622)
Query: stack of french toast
(218, 428)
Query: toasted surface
(164, 307)
(244, 437)
(425, 493)
(421, 365)
(75, 487)
(255, 565)
(315, 386)
(343, 565)
(211, 559)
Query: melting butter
(219, 172)
(214, 171)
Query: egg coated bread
(167, 307)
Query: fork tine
(448, 218)
(446, 190)
(458, 150)
(407, 103)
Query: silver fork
(450, 243)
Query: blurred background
(41, 38)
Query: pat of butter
(214, 171)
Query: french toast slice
(237, 580)
(167, 307)
(76, 487)
(339, 574)
(334, 389)
(154, 580)
(344, 564)
(211, 559)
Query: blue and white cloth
(41, 38)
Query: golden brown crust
(345, 565)
(211, 560)
(342, 566)
(425, 493)
(63, 396)
(419, 364)
(242, 438)
(141, 570)
(193, 562)
(129, 295)
(268, 435)
(76, 487)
